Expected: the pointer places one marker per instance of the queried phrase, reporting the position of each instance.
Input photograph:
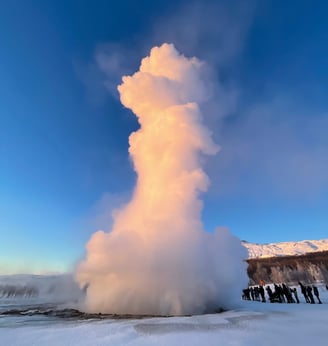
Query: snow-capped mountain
(285, 248)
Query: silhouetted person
(261, 290)
(304, 292)
(316, 293)
(252, 293)
(276, 292)
(246, 295)
(279, 293)
(294, 291)
(310, 295)
(287, 293)
(270, 293)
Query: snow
(254, 323)
(285, 248)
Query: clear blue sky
(63, 131)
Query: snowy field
(253, 323)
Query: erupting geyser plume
(158, 259)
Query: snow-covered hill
(285, 248)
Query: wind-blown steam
(158, 259)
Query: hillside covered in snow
(285, 248)
(289, 262)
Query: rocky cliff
(308, 268)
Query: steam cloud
(158, 259)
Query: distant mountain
(285, 248)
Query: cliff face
(307, 268)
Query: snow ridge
(285, 248)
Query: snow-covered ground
(285, 248)
(253, 323)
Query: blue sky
(64, 134)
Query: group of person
(308, 295)
(281, 293)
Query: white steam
(158, 259)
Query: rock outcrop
(307, 268)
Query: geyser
(157, 259)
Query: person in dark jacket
(294, 291)
(287, 293)
(261, 290)
(316, 293)
(278, 293)
(270, 293)
(251, 290)
(310, 295)
(246, 294)
(304, 292)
